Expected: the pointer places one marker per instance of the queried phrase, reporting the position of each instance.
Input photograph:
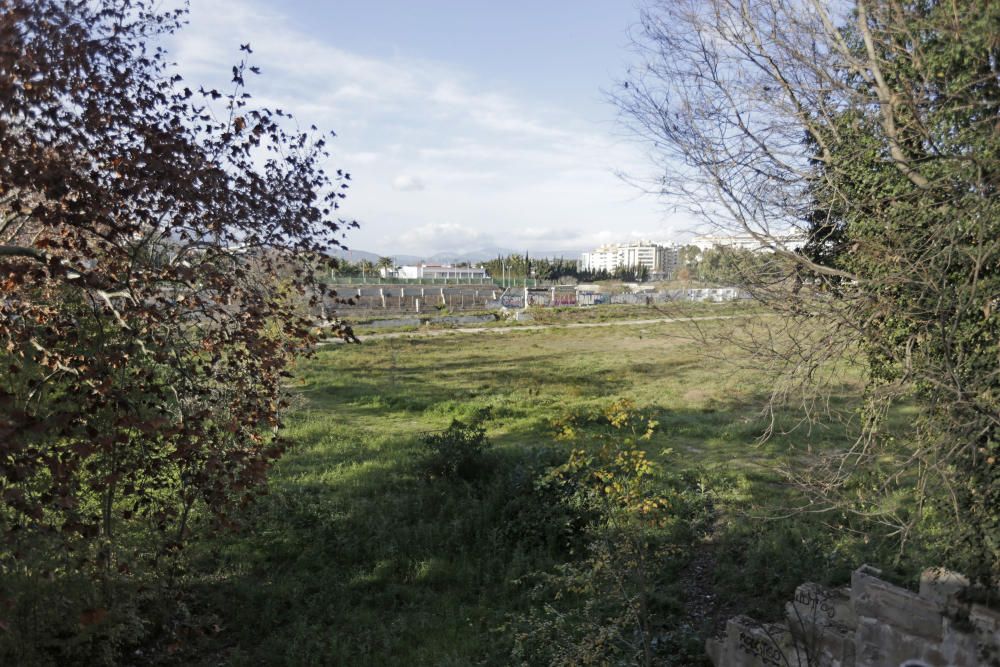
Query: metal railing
(378, 280)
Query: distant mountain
(404, 260)
(355, 255)
(480, 255)
(565, 254)
(486, 254)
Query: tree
(344, 267)
(871, 132)
(688, 258)
(156, 242)
(384, 263)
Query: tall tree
(870, 129)
(367, 267)
(156, 242)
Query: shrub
(160, 250)
(458, 451)
(605, 605)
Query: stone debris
(871, 623)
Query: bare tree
(869, 131)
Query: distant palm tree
(384, 263)
(366, 267)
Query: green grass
(355, 557)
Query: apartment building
(748, 242)
(658, 258)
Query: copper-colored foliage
(158, 247)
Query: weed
(458, 452)
(354, 558)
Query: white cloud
(432, 237)
(407, 182)
(545, 234)
(362, 157)
(503, 168)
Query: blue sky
(464, 124)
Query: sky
(465, 124)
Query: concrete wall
(871, 623)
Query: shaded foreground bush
(158, 247)
(459, 451)
(550, 553)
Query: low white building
(436, 272)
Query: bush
(458, 451)
(160, 277)
(606, 606)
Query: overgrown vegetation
(458, 452)
(573, 496)
(573, 531)
(604, 606)
(359, 556)
(857, 143)
(157, 249)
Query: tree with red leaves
(157, 244)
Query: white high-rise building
(748, 242)
(658, 258)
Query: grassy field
(358, 556)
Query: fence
(554, 297)
(377, 280)
(716, 294)
(369, 299)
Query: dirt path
(529, 327)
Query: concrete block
(895, 606)
(822, 621)
(873, 623)
(985, 620)
(959, 647)
(830, 645)
(752, 644)
(878, 644)
(938, 585)
(986, 624)
(815, 604)
(714, 648)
